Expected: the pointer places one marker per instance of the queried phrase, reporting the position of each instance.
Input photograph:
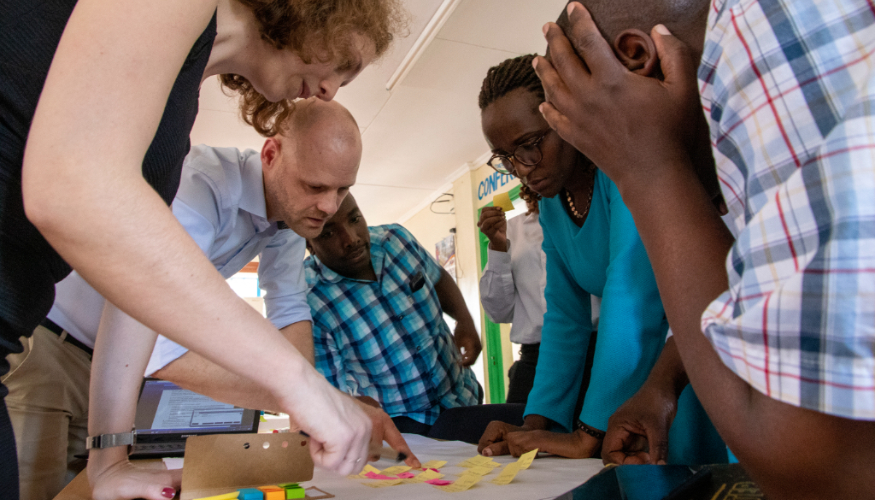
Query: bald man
(236, 205)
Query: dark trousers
(409, 426)
(522, 374)
(8, 456)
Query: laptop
(168, 414)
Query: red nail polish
(168, 493)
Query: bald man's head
(310, 165)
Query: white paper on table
(547, 478)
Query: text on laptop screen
(166, 408)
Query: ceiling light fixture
(428, 34)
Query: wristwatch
(109, 440)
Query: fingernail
(487, 452)
(168, 493)
(571, 7)
(541, 108)
(535, 63)
(545, 28)
(661, 29)
(661, 462)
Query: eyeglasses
(528, 154)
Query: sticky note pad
(224, 496)
(507, 475)
(502, 200)
(463, 483)
(250, 494)
(425, 476)
(434, 464)
(406, 475)
(526, 459)
(273, 492)
(374, 475)
(384, 484)
(479, 470)
(439, 482)
(293, 490)
(364, 473)
(392, 471)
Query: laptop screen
(166, 410)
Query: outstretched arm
(688, 244)
(452, 303)
(120, 61)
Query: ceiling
(424, 133)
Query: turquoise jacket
(606, 258)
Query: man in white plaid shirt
(785, 367)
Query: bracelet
(590, 430)
(109, 441)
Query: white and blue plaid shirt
(788, 89)
(386, 339)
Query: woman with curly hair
(592, 248)
(98, 98)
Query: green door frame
(492, 331)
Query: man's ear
(270, 153)
(635, 49)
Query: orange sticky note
(273, 492)
(502, 200)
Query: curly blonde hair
(319, 29)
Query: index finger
(580, 44)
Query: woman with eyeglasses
(592, 248)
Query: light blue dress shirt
(221, 204)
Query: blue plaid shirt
(379, 339)
(788, 88)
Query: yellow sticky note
(384, 484)
(463, 483)
(393, 471)
(361, 475)
(526, 459)
(502, 200)
(434, 464)
(507, 475)
(479, 470)
(425, 476)
(225, 496)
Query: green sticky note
(502, 200)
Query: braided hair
(512, 74)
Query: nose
(350, 237)
(521, 170)
(329, 203)
(328, 89)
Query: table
(547, 478)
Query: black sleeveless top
(29, 34)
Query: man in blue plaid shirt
(774, 317)
(377, 299)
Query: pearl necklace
(574, 212)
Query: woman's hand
(578, 444)
(494, 439)
(113, 477)
(339, 428)
(493, 223)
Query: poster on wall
(445, 253)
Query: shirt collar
(252, 192)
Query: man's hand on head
(631, 126)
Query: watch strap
(109, 440)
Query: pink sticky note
(439, 482)
(431, 468)
(374, 475)
(406, 475)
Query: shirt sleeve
(632, 322)
(497, 290)
(329, 361)
(432, 268)
(201, 226)
(281, 276)
(564, 343)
